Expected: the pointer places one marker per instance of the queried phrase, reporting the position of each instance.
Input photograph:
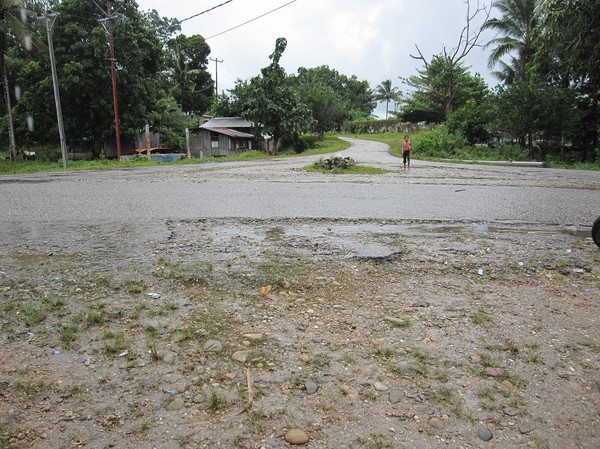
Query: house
(222, 136)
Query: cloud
(370, 39)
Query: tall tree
(517, 27)
(439, 91)
(569, 55)
(273, 104)
(191, 84)
(449, 63)
(12, 25)
(386, 92)
(83, 66)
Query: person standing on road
(406, 147)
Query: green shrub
(438, 143)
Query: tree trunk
(11, 132)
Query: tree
(568, 56)
(442, 82)
(386, 92)
(191, 84)
(84, 74)
(272, 103)
(12, 24)
(440, 89)
(537, 112)
(517, 28)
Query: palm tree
(12, 22)
(516, 29)
(385, 92)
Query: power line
(204, 12)
(251, 20)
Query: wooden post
(187, 143)
(148, 141)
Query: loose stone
(176, 404)
(240, 356)
(485, 434)
(396, 396)
(380, 387)
(311, 387)
(213, 346)
(296, 437)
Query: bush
(439, 143)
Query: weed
(442, 375)
(53, 302)
(535, 357)
(369, 394)
(511, 345)
(514, 379)
(68, 333)
(480, 317)
(386, 352)
(401, 324)
(114, 343)
(486, 360)
(214, 401)
(32, 315)
(94, 317)
(444, 394)
(256, 422)
(321, 360)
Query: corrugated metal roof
(230, 132)
(227, 122)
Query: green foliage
(272, 103)
(537, 112)
(438, 143)
(386, 92)
(191, 84)
(515, 32)
(442, 87)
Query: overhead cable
(251, 20)
(204, 12)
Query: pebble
(485, 434)
(510, 411)
(583, 341)
(169, 357)
(494, 372)
(213, 346)
(380, 387)
(254, 337)
(296, 437)
(176, 404)
(240, 356)
(436, 423)
(311, 387)
(396, 396)
(526, 428)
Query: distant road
(280, 189)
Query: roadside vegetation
(545, 107)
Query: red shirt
(406, 146)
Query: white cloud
(372, 39)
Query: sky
(371, 39)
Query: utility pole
(61, 130)
(109, 30)
(216, 74)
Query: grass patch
(480, 317)
(114, 343)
